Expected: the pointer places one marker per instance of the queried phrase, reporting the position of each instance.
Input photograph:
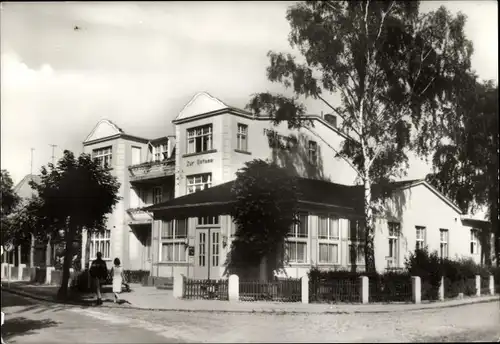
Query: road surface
(32, 321)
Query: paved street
(27, 321)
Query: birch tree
(393, 69)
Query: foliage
(265, 210)
(430, 269)
(394, 70)
(75, 194)
(466, 164)
(9, 201)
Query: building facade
(212, 141)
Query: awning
(314, 195)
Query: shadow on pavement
(20, 326)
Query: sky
(138, 64)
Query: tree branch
(336, 151)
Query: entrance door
(207, 254)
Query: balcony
(149, 172)
(137, 216)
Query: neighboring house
(212, 141)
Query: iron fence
(206, 289)
(465, 286)
(341, 290)
(283, 290)
(394, 289)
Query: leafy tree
(466, 164)
(394, 69)
(77, 193)
(9, 201)
(265, 209)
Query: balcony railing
(152, 170)
(139, 216)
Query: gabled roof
(23, 189)
(104, 128)
(201, 103)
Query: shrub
(391, 286)
(430, 269)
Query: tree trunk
(48, 252)
(68, 259)
(32, 251)
(369, 227)
(86, 266)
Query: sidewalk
(149, 298)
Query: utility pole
(32, 246)
(53, 157)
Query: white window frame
(157, 194)
(393, 239)
(474, 241)
(355, 227)
(100, 242)
(330, 239)
(312, 152)
(420, 237)
(200, 133)
(242, 137)
(159, 151)
(103, 156)
(194, 184)
(296, 238)
(172, 238)
(444, 245)
(208, 221)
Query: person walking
(118, 278)
(98, 273)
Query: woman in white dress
(117, 273)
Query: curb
(249, 311)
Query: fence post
(178, 286)
(441, 289)
(48, 275)
(416, 289)
(478, 285)
(20, 271)
(4, 270)
(234, 288)
(364, 290)
(492, 285)
(305, 288)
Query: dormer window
(160, 152)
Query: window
(136, 155)
(160, 152)
(100, 242)
(313, 152)
(199, 182)
(443, 247)
(199, 139)
(393, 258)
(296, 243)
(242, 137)
(328, 235)
(208, 220)
(215, 248)
(420, 241)
(355, 252)
(157, 195)
(173, 237)
(473, 241)
(103, 156)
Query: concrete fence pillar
(492, 285)
(4, 270)
(305, 289)
(416, 289)
(178, 286)
(234, 288)
(48, 275)
(441, 290)
(20, 271)
(364, 292)
(478, 285)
